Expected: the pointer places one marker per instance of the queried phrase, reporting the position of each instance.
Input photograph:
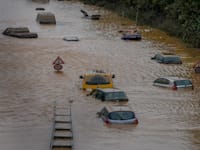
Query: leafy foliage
(178, 17)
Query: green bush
(180, 18)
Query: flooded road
(29, 86)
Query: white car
(118, 115)
(173, 82)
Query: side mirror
(113, 76)
(81, 77)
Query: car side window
(162, 81)
(99, 95)
(165, 81)
(158, 80)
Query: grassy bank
(180, 18)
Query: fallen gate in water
(62, 134)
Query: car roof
(168, 55)
(174, 56)
(174, 78)
(96, 72)
(119, 108)
(106, 90)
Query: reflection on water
(29, 86)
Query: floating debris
(40, 8)
(71, 38)
(20, 32)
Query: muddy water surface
(29, 86)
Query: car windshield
(121, 115)
(97, 79)
(115, 95)
(172, 59)
(183, 82)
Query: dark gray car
(167, 59)
(109, 94)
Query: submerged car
(19, 32)
(173, 82)
(46, 18)
(167, 59)
(92, 17)
(97, 79)
(132, 36)
(109, 94)
(71, 38)
(118, 115)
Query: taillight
(136, 121)
(174, 87)
(107, 121)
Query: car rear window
(97, 79)
(183, 82)
(121, 115)
(115, 95)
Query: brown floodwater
(29, 86)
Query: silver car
(118, 115)
(173, 82)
